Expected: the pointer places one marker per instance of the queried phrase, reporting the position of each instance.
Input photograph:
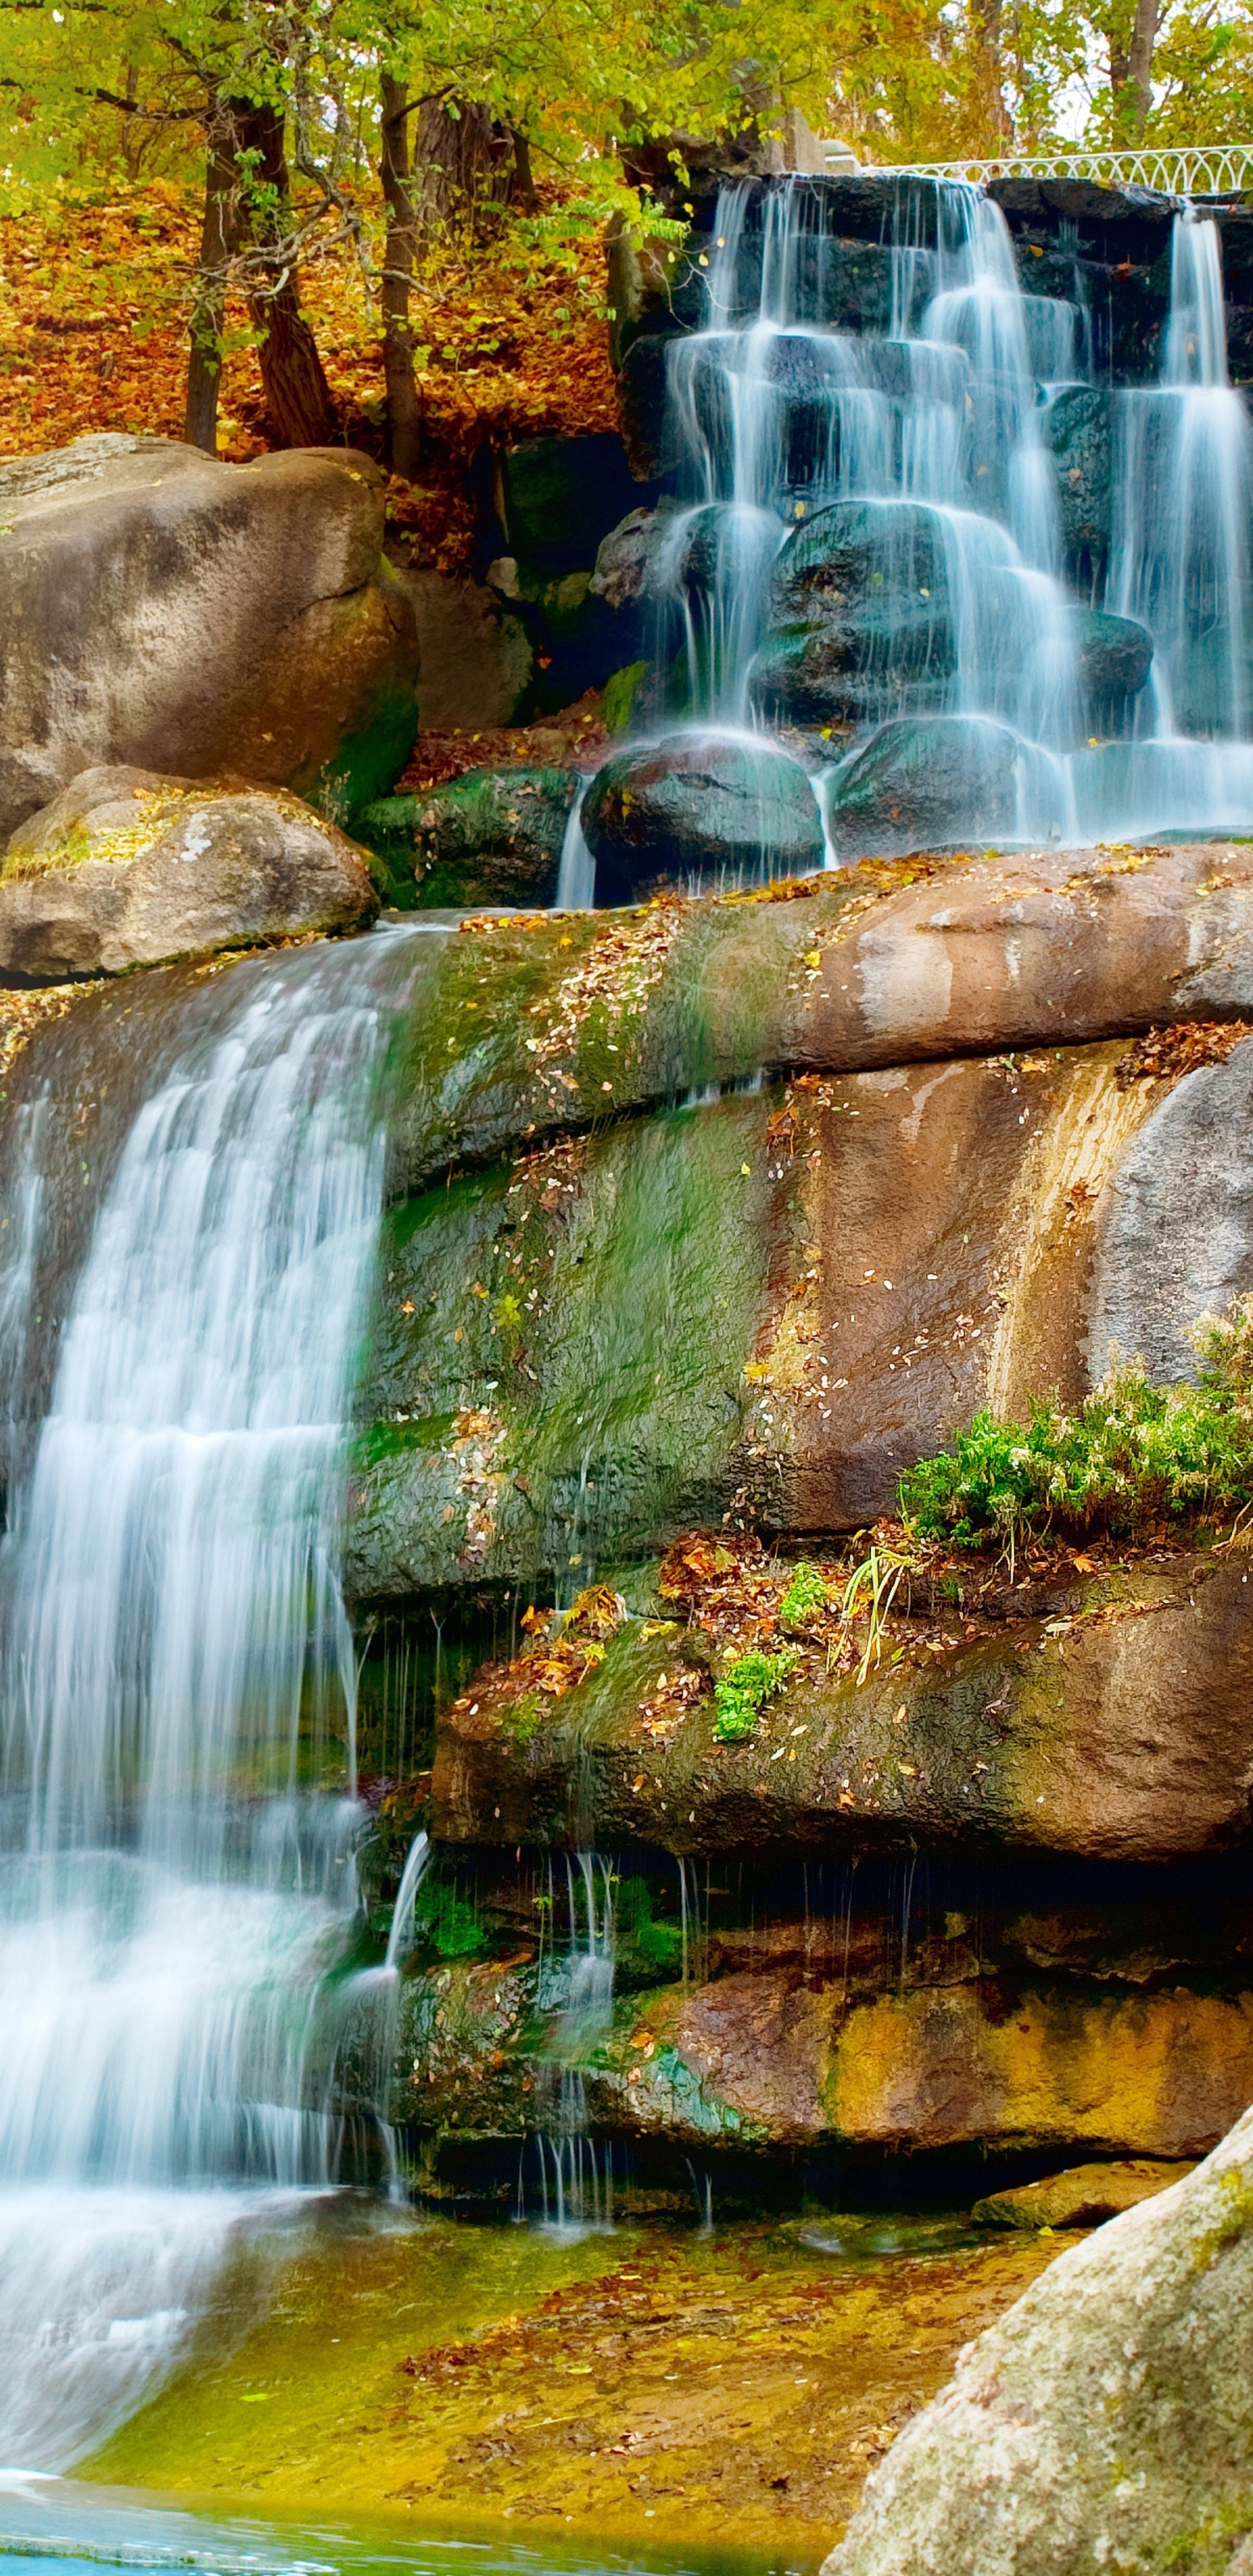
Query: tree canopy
(398, 142)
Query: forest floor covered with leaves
(94, 296)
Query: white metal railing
(1198, 170)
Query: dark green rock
(493, 836)
(859, 610)
(699, 805)
(560, 496)
(1115, 656)
(1077, 431)
(926, 785)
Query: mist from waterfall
(178, 1767)
(935, 424)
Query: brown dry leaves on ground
(574, 739)
(93, 304)
(1165, 1055)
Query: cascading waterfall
(927, 437)
(179, 1812)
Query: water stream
(179, 1812)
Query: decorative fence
(1203, 170)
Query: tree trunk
(404, 416)
(995, 125)
(523, 189)
(297, 395)
(217, 233)
(1131, 73)
(460, 168)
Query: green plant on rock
(873, 1586)
(744, 1689)
(1131, 1455)
(807, 1594)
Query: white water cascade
(931, 422)
(177, 1869)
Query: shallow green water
(55, 2522)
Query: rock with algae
(1105, 2422)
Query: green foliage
(873, 1586)
(807, 1594)
(745, 1687)
(1132, 1454)
(449, 1924)
(656, 1945)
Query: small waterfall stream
(179, 1812)
(869, 538)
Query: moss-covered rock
(492, 836)
(1112, 1723)
(1083, 2196)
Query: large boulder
(700, 805)
(163, 610)
(1114, 657)
(1104, 2423)
(128, 868)
(926, 783)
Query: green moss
(618, 696)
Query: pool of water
(60, 2522)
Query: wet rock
(1110, 223)
(699, 805)
(929, 959)
(561, 496)
(1104, 2422)
(1077, 428)
(624, 559)
(1115, 656)
(926, 784)
(859, 609)
(649, 433)
(492, 836)
(127, 868)
(1084, 2196)
(765, 2060)
(160, 609)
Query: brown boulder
(126, 868)
(162, 609)
(1083, 2196)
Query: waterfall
(1184, 482)
(179, 1812)
(867, 547)
(574, 2172)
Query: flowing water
(934, 424)
(179, 1811)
